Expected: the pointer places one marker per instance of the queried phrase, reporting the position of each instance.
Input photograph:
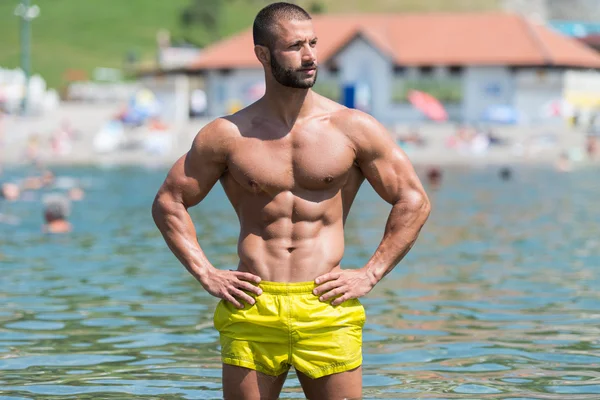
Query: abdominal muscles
(289, 238)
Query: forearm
(401, 231)
(177, 228)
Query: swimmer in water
(56, 211)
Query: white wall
(485, 87)
(361, 64)
(225, 89)
(582, 90)
(535, 88)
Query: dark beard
(290, 77)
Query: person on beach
(563, 164)
(291, 165)
(56, 212)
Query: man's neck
(288, 104)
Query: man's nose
(309, 55)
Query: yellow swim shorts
(288, 325)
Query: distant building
(573, 10)
(586, 32)
(536, 10)
(177, 57)
(177, 91)
(574, 18)
(550, 10)
(471, 62)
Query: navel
(328, 179)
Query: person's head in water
(434, 177)
(285, 43)
(56, 208)
(56, 211)
(9, 191)
(505, 173)
(76, 193)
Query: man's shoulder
(218, 131)
(367, 135)
(355, 124)
(219, 128)
(345, 116)
(215, 138)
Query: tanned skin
(291, 165)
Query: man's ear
(263, 54)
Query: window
(455, 70)
(541, 74)
(426, 70)
(399, 69)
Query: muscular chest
(295, 161)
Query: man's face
(294, 54)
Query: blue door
(349, 94)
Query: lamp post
(26, 13)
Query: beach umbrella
(428, 105)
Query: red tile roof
(591, 40)
(426, 39)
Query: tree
(205, 13)
(316, 7)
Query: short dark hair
(56, 207)
(265, 20)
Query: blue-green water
(499, 298)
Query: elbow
(156, 209)
(419, 205)
(426, 208)
(160, 209)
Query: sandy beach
(535, 144)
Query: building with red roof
(470, 61)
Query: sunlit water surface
(498, 300)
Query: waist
(287, 288)
(274, 262)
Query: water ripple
(497, 300)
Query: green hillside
(84, 34)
